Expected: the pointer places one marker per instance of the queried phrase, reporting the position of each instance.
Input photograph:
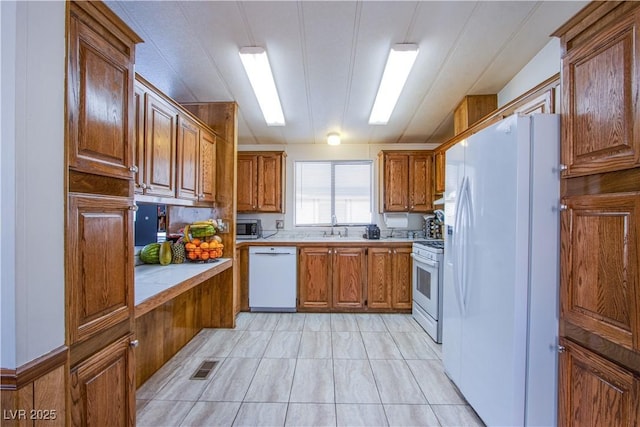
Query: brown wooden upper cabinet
(100, 132)
(407, 184)
(195, 163)
(471, 109)
(600, 86)
(261, 181)
(175, 154)
(439, 174)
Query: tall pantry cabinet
(600, 218)
(100, 166)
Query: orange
(192, 255)
(204, 245)
(204, 255)
(196, 242)
(189, 246)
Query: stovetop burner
(436, 244)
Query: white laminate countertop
(151, 280)
(319, 239)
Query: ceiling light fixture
(333, 138)
(256, 64)
(399, 64)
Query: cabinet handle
(133, 169)
(561, 349)
(389, 250)
(563, 167)
(149, 187)
(406, 207)
(134, 343)
(133, 208)
(563, 207)
(395, 251)
(144, 186)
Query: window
(339, 190)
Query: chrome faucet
(334, 222)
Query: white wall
(545, 64)
(32, 201)
(297, 152)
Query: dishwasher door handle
(273, 253)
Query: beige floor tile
(360, 415)
(313, 381)
(411, 416)
(261, 414)
(354, 382)
(162, 413)
(283, 345)
(380, 345)
(211, 414)
(435, 385)
(400, 323)
(219, 343)
(158, 380)
(243, 320)
(343, 323)
(272, 381)
(181, 386)
(370, 323)
(317, 322)
(311, 415)
(231, 380)
(348, 345)
(251, 344)
(437, 348)
(396, 383)
(457, 416)
(141, 403)
(291, 322)
(315, 345)
(264, 322)
(413, 345)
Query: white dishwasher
(272, 278)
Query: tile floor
(295, 369)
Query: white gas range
(427, 286)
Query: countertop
(335, 240)
(156, 284)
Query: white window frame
(333, 201)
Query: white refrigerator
(500, 314)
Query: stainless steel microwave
(247, 229)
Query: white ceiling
(328, 56)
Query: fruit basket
(198, 250)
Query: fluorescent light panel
(256, 64)
(399, 64)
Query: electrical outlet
(279, 224)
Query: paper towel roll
(396, 220)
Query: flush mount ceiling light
(256, 64)
(333, 138)
(399, 64)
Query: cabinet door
(420, 190)
(396, 183)
(247, 183)
(401, 296)
(595, 392)
(270, 183)
(138, 111)
(100, 264)
(600, 289)
(314, 280)
(103, 387)
(379, 284)
(99, 89)
(439, 172)
(188, 147)
(160, 143)
(600, 97)
(207, 167)
(349, 278)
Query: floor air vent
(204, 370)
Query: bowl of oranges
(203, 251)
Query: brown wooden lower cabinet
(596, 392)
(103, 387)
(389, 278)
(349, 278)
(314, 279)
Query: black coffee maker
(371, 231)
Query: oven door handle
(422, 260)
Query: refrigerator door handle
(457, 265)
(466, 215)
